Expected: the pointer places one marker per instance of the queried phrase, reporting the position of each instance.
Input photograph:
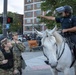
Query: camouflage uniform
(18, 48)
(8, 71)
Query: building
(20, 23)
(31, 11)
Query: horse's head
(49, 46)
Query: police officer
(18, 47)
(8, 59)
(67, 20)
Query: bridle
(61, 51)
(58, 52)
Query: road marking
(40, 67)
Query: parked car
(20, 37)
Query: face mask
(60, 9)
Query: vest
(9, 57)
(68, 23)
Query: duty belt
(70, 33)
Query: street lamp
(4, 18)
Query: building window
(28, 28)
(28, 20)
(38, 5)
(28, 14)
(37, 20)
(42, 0)
(28, 0)
(28, 6)
(38, 13)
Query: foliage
(17, 22)
(37, 27)
(16, 25)
(51, 5)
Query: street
(35, 64)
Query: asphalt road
(36, 66)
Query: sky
(13, 6)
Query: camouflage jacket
(14, 58)
(18, 47)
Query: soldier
(18, 47)
(8, 59)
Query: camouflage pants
(6, 72)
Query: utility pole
(4, 18)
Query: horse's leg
(53, 71)
(66, 71)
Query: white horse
(57, 51)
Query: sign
(7, 26)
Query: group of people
(10, 55)
(10, 51)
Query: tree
(51, 5)
(17, 22)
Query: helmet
(66, 9)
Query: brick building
(31, 11)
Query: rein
(59, 56)
(61, 52)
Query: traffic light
(9, 19)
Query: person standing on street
(18, 47)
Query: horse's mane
(59, 38)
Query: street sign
(7, 26)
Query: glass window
(42, 0)
(38, 5)
(28, 6)
(28, 20)
(28, 28)
(37, 20)
(28, 14)
(38, 13)
(28, 0)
